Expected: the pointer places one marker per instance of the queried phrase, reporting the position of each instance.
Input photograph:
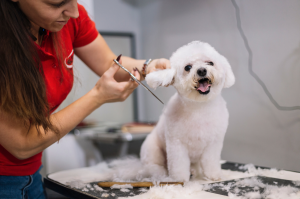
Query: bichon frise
(190, 132)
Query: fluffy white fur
(190, 132)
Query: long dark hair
(22, 86)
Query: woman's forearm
(31, 143)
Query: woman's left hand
(158, 64)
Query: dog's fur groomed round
(190, 132)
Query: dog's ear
(161, 78)
(229, 76)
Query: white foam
(85, 189)
(125, 190)
(97, 188)
(105, 195)
(270, 191)
(143, 190)
(78, 184)
(297, 183)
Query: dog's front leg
(178, 161)
(210, 161)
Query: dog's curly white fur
(190, 132)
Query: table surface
(217, 192)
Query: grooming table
(288, 178)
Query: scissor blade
(135, 79)
(151, 92)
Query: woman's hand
(158, 64)
(109, 90)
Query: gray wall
(120, 16)
(258, 133)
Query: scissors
(135, 79)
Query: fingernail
(135, 69)
(119, 57)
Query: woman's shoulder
(83, 16)
(81, 9)
(82, 12)
(81, 30)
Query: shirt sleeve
(86, 29)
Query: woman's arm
(114, 85)
(23, 143)
(98, 57)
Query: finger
(115, 67)
(132, 84)
(129, 88)
(167, 64)
(119, 59)
(136, 73)
(151, 70)
(155, 65)
(161, 64)
(112, 70)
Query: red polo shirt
(76, 33)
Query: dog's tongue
(203, 86)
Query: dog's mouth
(203, 86)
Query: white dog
(190, 132)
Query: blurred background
(258, 132)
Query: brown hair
(22, 86)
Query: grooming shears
(135, 79)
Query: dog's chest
(193, 128)
(196, 126)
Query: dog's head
(198, 72)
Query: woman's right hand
(109, 90)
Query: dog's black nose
(201, 72)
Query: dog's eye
(210, 63)
(188, 67)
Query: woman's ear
(161, 78)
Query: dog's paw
(213, 175)
(160, 78)
(180, 177)
(152, 171)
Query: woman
(38, 40)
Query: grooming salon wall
(260, 39)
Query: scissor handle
(135, 79)
(132, 76)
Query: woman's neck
(35, 32)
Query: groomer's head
(49, 14)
